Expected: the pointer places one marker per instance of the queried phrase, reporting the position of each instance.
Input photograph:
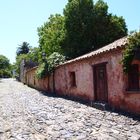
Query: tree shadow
(87, 103)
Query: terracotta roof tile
(120, 43)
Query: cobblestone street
(26, 114)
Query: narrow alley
(27, 114)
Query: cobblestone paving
(26, 114)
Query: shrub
(48, 66)
(54, 60)
(41, 71)
(133, 43)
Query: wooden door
(100, 83)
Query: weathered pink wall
(83, 80)
(117, 96)
(34, 82)
(60, 81)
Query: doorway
(100, 83)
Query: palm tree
(23, 49)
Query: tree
(34, 55)
(51, 35)
(23, 49)
(5, 67)
(89, 26)
(107, 27)
(4, 62)
(78, 23)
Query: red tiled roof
(120, 43)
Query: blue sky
(19, 20)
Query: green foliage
(41, 71)
(89, 26)
(5, 67)
(107, 27)
(133, 43)
(4, 62)
(54, 60)
(48, 66)
(34, 55)
(51, 35)
(23, 49)
(5, 73)
(79, 24)
(83, 28)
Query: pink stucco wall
(116, 80)
(117, 96)
(84, 84)
(32, 81)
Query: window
(133, 78)
(72, 79)
(34, 80)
